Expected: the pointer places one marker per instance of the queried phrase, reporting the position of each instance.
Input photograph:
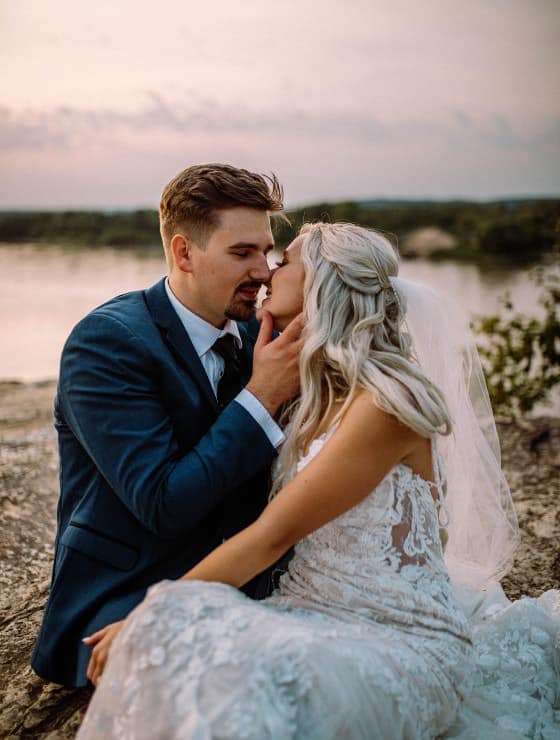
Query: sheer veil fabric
(482, 529)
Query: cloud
(66, 127)
(118, 155)
(28, 131)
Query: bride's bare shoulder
(365, 418)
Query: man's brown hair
(191, 201)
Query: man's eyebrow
(250, 245)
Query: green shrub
(521, 354)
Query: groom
(164, 413)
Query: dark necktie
(230, 382)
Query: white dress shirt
(203, 335)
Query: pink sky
(102, 103)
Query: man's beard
(240, 309)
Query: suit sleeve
(109, 397)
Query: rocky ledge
(30, 708)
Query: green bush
(521, 354)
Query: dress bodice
(381, 555)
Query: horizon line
(307, 204)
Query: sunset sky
(102, 103)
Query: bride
(390, 622)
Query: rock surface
(30, 708)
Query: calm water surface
(44, 291)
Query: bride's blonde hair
(354, 339)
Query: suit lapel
(176, 336)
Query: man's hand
(275, 377)
(101, 642)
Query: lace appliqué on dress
(363, 638)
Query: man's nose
(261, 270)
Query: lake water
(44, 291)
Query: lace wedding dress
(363, 639)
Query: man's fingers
(265, 331)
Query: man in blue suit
(164, 413)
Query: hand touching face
(284, 297)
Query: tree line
(518, 229)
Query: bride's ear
(181, 248)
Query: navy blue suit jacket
(152, 476)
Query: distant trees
(81, 228)
(523, 232)
(516, 230)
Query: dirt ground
(29, 708)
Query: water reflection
(44, 291)
(477, 289)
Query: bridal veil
(482, 531)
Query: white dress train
(364, 638)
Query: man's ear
(181, 248)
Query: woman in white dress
(367, 635)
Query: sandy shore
(28, 496)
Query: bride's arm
(366, 446)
